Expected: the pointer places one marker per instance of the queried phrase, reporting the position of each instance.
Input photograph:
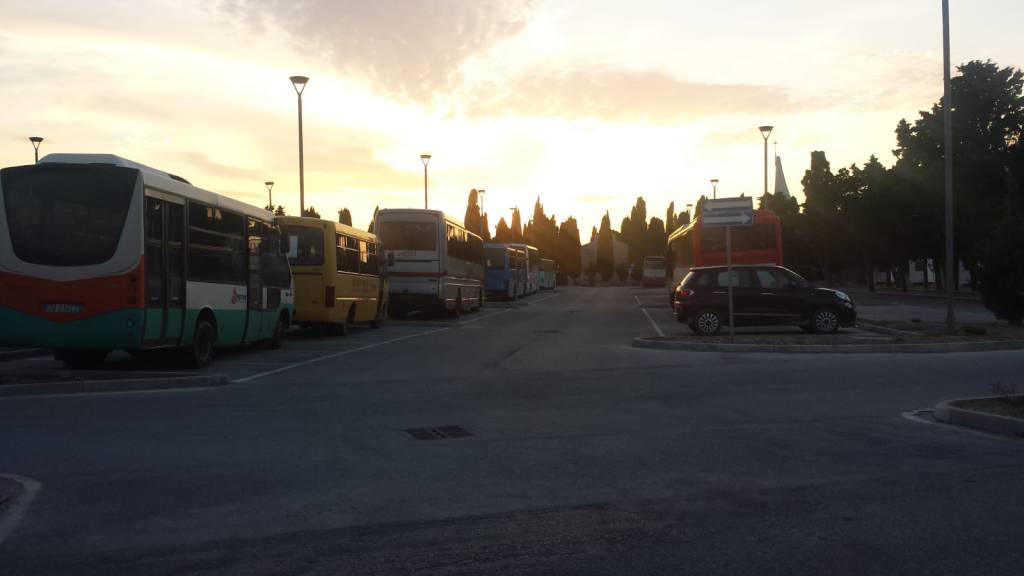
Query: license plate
(62, 308)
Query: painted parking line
(479, 318)
(335, 355)
(657, 329)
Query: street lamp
(480, 194)
(426, 160)
(36, 141)
(299, 83)
(270, 193)
(714, 189)
(765, 131)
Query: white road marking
(657, 329)
(917, 416)
(9, 521)
(479, 318)
(335, 355)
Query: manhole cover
(438, 433)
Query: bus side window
(273, 262)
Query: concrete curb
(22, 353)
(164, 382)
(947, 412)
(885, 329)
(927, 348)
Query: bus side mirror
(391, 259)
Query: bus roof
(423, 211)
(163, 181)
(320, 222)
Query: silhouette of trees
(474, 221)
(605, 249)
(502, 233)
(570, 254)
(279, 211)
(311, 212)
(517, 226)
(345, 217)
(373, 220)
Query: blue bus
(506, 271)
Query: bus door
(164, 267)
(254, 325)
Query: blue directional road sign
(727, 212)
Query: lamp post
(36, 141)
(765, 131)
(270, 193)
(947, 121)
(426, 160)
(299, 83)
(480, 194)
(689, 212)
(714, 188)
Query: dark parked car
(761, 295)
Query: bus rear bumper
(121, 329)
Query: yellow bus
(339, 278)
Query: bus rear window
(305, 245)
(66, 214)
(495, 257)
(409, 236)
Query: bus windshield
(305, 245)
(495, 257)
(409, 235)
(85, 205)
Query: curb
(928, 348)
(885, 329)
(168, 382)
(22, 353)
(946, 412)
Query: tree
(502, 233)
(670, 218)
(373, 220)
(1001, 263)
(345, 217)
(517, 227)
(821, 208)
(486, 229)
(636, 236)
(311, 213)
(605, 249)
(571, 253)
(473, 221)
(657, 238)
(279, 211)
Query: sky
(586, 104)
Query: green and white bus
(99, 253)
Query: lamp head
(765, 130)
(425, 158)
(36, 141)
(299, 82)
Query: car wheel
(707, 322)
(202, 344)
(825, 321)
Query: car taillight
(329, 296)
(684, 293)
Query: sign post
(726, 213)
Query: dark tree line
(870, 217)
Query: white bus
(434, 263)
(532, 267)
(99, 253)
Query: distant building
(781, 189)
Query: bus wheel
(80, 358)
(202, 344)
(277, 339)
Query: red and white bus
(693, 245)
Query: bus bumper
(121, 329)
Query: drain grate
(438, 433)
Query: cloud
(213, 168)
(598, 91)
(405, 49)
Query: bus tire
(78, 358)
(277, 339)
(202, 344)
